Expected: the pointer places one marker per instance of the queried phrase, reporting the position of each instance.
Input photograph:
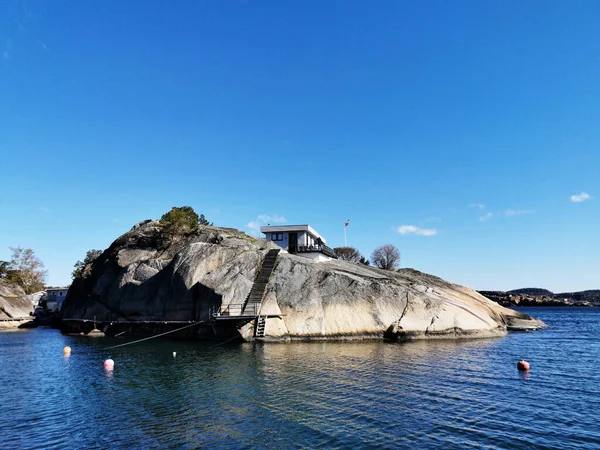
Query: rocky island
(207, 281)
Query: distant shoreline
(543, 297)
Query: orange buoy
(523, 366)
(67, 350)
(109, 364)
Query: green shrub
(179, 222)
(84, 268)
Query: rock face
(135, 281)
(15, 307)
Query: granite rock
(137, 280)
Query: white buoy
(174, 354)
(109, 364)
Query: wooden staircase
(248, 311)
(257, 293)
(255, 297)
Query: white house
(300, 239)
(55, 297)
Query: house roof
(292, 228)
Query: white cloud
(512, 212)
(44, 209)
(263, 219)
(275, 218)
(411, 229)
(581, 197)
(477, 205)
(505, 213)
(254, 225)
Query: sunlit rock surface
(135, 280)
(14, 304)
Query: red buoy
(523, 366)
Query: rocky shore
(139, 285)
(15, 306)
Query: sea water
(437, 394)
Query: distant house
(300, 239)
(54, 298)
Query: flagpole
(346, 223)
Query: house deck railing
(237, 310)
(317, 248)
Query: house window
(277, 236)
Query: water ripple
(442, 394)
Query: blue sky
(458, 131)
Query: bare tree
(26, 270)
(386, 257)
(348, 254)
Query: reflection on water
(450, 394)
(524, 375)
